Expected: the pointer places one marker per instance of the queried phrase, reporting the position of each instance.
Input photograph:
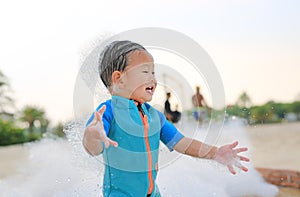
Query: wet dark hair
(114, 57)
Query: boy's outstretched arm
(226, 155)
(94, 135)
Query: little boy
(127, 130)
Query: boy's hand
(228, 155)
(97, 129)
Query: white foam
(197, 177)
(60, 168)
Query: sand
(11, 157)
(276, 145)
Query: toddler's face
(139, 81)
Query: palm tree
(6, 102)
(244, 100)
(34, 116)
(59, 130)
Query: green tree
(6, 101)
(35, 119)
(11, 134)
(244, 100)
(59, 130)
(279, 109)
(295, 107)
(260, 114)
(235, 110)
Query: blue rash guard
(131, 168)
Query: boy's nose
(153, 79)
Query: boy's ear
(116, 77)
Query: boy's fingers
(242, 158)
(238, 150)
(114, 143)
(244, 168)
(234, 144)
(108, 142)
(98, 116)
(231, 169)
(99, 113)
(240, 166)
(102, 109)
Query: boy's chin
(143, 100)
(148, 98)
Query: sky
(255, 44)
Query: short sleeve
(169, 135)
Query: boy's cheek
(139, 81)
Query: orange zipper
(148, 149)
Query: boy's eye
(147, 72)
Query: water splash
(196, 177)
(63, 168)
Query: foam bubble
(62, 168)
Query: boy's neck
(126, 97)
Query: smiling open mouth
(150, 89)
